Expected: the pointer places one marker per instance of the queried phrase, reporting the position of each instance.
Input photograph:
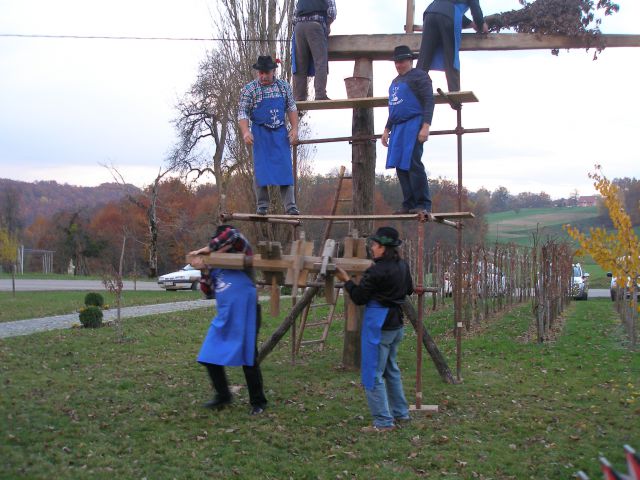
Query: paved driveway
(28, 285)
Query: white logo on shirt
(393, 99)
(275, 121)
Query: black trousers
(437, 31)
(252, 374)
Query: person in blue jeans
(383, 289)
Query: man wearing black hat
(231, 338)
(383, 289)
(410, 114)
(443, 21)
(266, 101)
(312, 23)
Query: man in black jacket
(443, 21)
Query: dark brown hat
(265, 63)
(403, 53)
(386, 236)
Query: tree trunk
(363, 156)
(430, 345)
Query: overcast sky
(67, 106)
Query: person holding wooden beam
(383, 289)
(232, 336)
(410, 114)
(443, 21)
(266, 102)
(312, 24)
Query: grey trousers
(311, 45)
(287, 192)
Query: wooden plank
(380, 46)
(410, 216)
(371, 102)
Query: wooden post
(411, 10)
(353, 313)
(363, 154)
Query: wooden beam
(380, 46)
(409, 216)
(370, 102)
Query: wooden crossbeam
(371, 102)
(437, 217)
(310, 263)
(380, 46)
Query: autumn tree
(616, 251)
(9, 254)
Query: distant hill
(519, 227)
(47, 198)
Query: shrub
(94, 299)
(91, 317)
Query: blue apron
(231, 339)
(405, 115)
(437, 63)
(374, 317)
(271, 150)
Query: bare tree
(209, 137)
(150, 207)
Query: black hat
(265, 63)
(386, 236)
(403, 53)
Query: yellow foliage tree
(617, 251)
(8, 247)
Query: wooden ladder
(326, 323)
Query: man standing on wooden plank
(231, 339)
(266, 101)
(443, 21)
(410, 114)
(312, 24)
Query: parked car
(613, 288)
(579, 283)
(184, 279)
(494, 283)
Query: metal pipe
(458, 306)
(435, 217)
(369, 138)
(420, 291)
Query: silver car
(579, 283)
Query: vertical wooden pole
(363, 154)
(458, 292)
(411, 8)
(420, 291)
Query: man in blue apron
(383, 289)
(410, 114)
(266, 102)
(312, 23)
(232, 335)
(443, 21)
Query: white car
(579, 283)
(187, 278)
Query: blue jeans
(387, 400)
(414, 183)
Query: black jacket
(388, 282)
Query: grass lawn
(76, 404)
(44, 304)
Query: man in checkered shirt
(266, 102)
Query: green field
(519, 227)
(77, 404)
(44, 304)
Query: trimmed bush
(91, 317)
(94, 299)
